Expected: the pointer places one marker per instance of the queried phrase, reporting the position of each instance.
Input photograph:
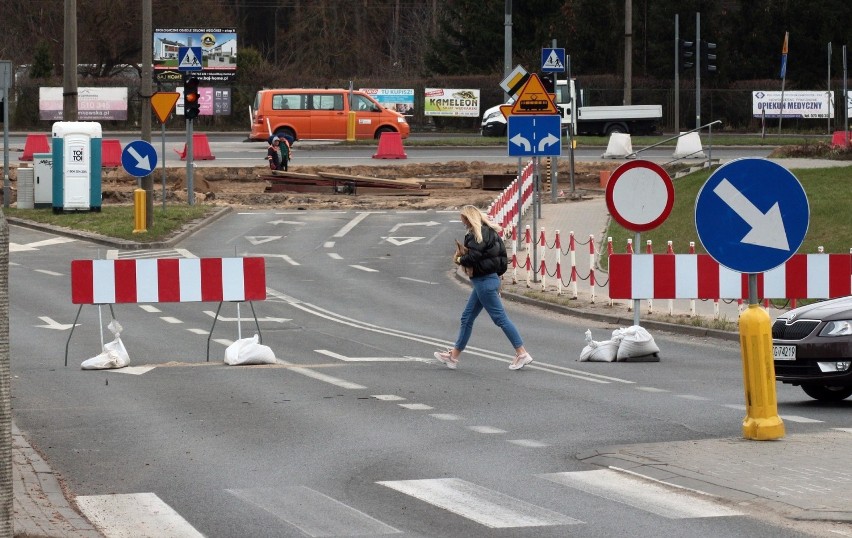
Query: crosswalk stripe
(487, 507)
(640, 494)
(312, 512)
(141, 515)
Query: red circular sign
(640, 195)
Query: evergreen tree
(42, 66)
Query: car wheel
(616, 129)
(827, 393)
(381, 130)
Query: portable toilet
(76, 166)
(43, 166)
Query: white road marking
(50, 323)
(486, 507)
(650, 389)
(388, 397)
(399, 241)
(486, 429)
(150, 308)
(260, 239)
(528, 443)
(134, 515)
(312, 512)
(641, 494)
(17, 247)
(323, 377)
(799, 419)
(847, 430)
(344, 358)
(738, 407)
(284, 257)
(335, 256)
(416, 406)
(416, 280)
(367, 269)
(224, 341)
(170, 319)
(351, 224)
(199, 331)
(328, 244)
(692, 397)
(46, 272)
(445, 416)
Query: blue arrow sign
(139, 158)
(535, 136)
(189, 59)
(752, 215)
(553, 60)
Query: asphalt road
(359, 431)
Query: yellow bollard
(762, 422)
(139, 211)
(350, 127)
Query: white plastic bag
(636, 341)
(249, 351)
(598, 351)
(114, 354)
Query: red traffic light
(191, 106)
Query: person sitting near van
(278, 154)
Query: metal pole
(637, 249)
(5, 79)
(828, 87)
(163, 153)
(536, 216)
(145, 91)
(677, 76)
(520, 199)
(573, 103)
(190, 190)
(628, 52)
(507, 42)
(845, 100)
(698, 70)
(69, 68)
(554, 170)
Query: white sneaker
(447, 358)
(521, 361)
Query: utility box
(43, 166)
(76, 166)
(25, 188)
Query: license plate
(784, 353)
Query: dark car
(812, 348)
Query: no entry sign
(640, 195)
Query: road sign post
(752, 216)
(163, 104)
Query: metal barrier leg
(256, 323)
(73, 325)
(210, 334)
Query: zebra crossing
(313, 513)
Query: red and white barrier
(699, 276)
(167, 280)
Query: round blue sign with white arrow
(751, 215)
(139, 158)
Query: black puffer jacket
(486, 257)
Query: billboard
(401, 100)
(797, 104)
(218, 53)
(93, 104)
(451, 102)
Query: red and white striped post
(573, 258)
(629, 251)
(514, 255)
(649, 250)
(592, 266)
(542, 246)
(558, 245)
(528, 263)
(608, 254)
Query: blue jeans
(485, 295)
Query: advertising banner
(797, 104)
(451, 102)
(218, 53)
(93, 104)
(212, 101)
(400, 100)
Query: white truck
(587, 120)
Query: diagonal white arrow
(767, 229)
(55, 325)
(548, 140)
(258, 239)
(399, 241)
(141, 162)
(519, 140)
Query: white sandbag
(619, 146)
(114, 354)
(249, 351)
(636, 341)
(605, 351)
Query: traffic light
(687, 54)
(708, 57)
(191, 106)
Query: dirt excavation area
(392, 186)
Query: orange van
(321, 114)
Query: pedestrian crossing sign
(553, 60)
(189, 59)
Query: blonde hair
(476, 219)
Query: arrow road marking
(258, 239)
(141, 162)
(55, 325)
(548, 140)
(767, 229)
(399, 241)
(401, 224)
(519, 140)
(338, 356)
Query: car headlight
(400, 119)
(841, 327)
(492, 115)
